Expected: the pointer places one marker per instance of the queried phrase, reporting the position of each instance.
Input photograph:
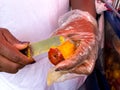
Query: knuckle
(19, 59)
(22, 60)
(3, 30)
(16, 58)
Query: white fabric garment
(33, 20)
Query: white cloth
(33, 20)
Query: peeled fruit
(67, 49)
(62, 52)
(55, 56)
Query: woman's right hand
(11, 59)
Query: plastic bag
(73, 28)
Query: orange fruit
(62, 52)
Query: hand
(84, 34)
(11, 59)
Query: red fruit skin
(55, 56)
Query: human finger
(85, 68)
(12, 40)
(7, 65)
(13, 54)
(80, 54)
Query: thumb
(13, 40)
(21, 45)
(66, 65)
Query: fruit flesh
(62, 52)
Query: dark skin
(85, 5)
(11, 59)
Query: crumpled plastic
(100, 6)
(81, 28)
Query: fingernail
(57, 69)
(25, 42)
(33, 62)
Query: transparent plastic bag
(80, 28)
